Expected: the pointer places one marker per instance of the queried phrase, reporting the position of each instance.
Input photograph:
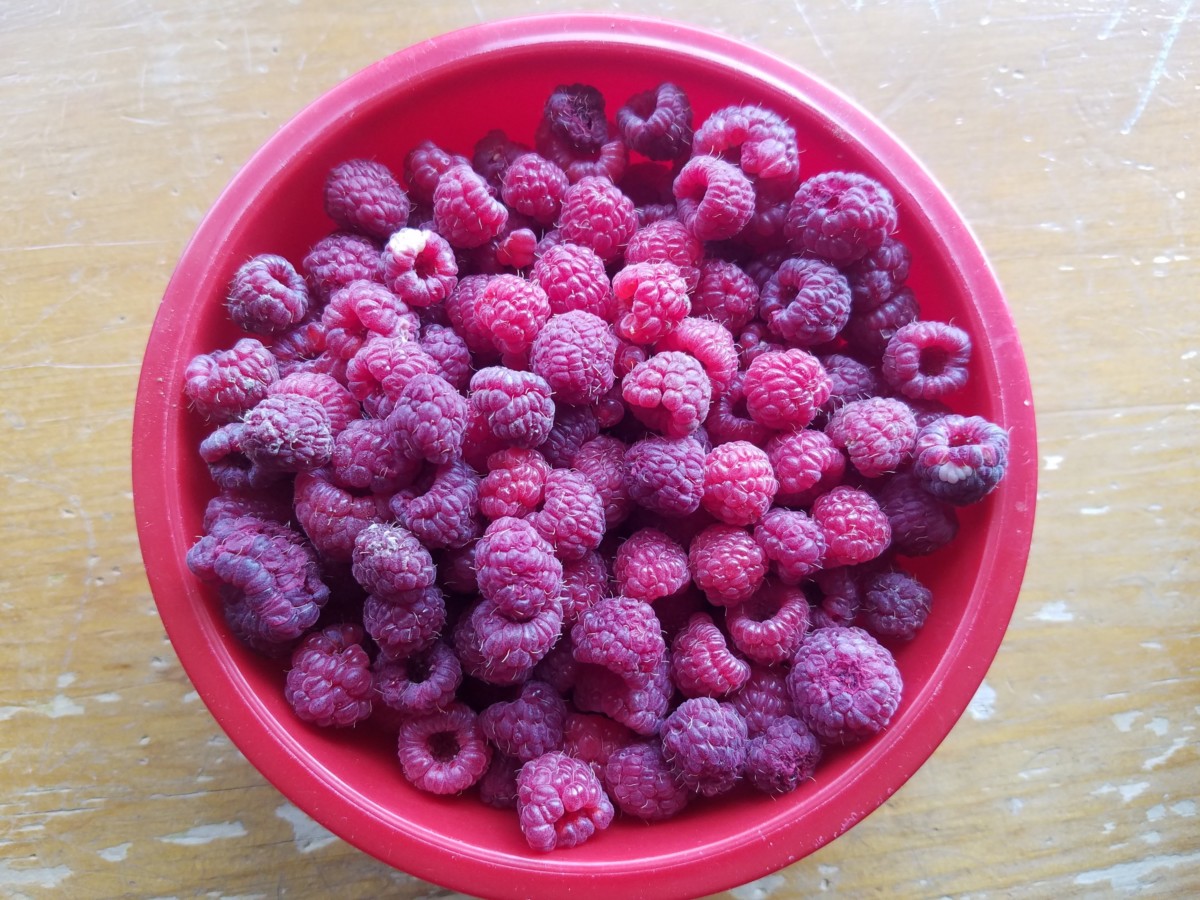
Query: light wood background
(1067, 134)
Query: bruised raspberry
(960, 459)
(424, 166)
(763, 699)
(420, 683)
(594, 738)
(287, 433)
(879, 274)
(366, 457)
(621, 634)
(781, 758)
(868, 332)
(895, 604)
(729, 420)
(404, 624)
(576, 113)
(493, 154)
(332, 516)
(388, 561)
(609, 160)
(920, 522)
(849, 380)
(573, 427)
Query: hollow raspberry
(429, 419)
(807, 464)
(267, 295)
(725, 294)
(877, 434)
(361, 310)
(927, 360)
(597, 215)
(622, 634)
(667, 240)
(517, 405)
(670, 392)
(727, 564)
(329, 682)
(560, 802)
(806, 302)
(363, 195)
(960, 459)
(366, 457)
(657, 123)
(574, 353)
(513, 310)
(666, 475)
(404, 624)
(332, 516)
(609, 160)
(516, 567)
(783, 756)
(739, 483)
(642, 784)
(868, 332)
(920, 522)
(420, 683)
(572, 516)
(464, 211)
(443, 752)
(879, 274)
(705, 744)
(757, 140)
(225, 384)
(389, 561)
(534, 186)
(702, 665)
(794, 544)
(855, 528)
(769, 627)
(602, 462)
(713, 199)
(424, 166)
(763, 698)
(228, 464)
(651, 299)
(528, 726)
(446, 515)
(650, 565)
(574, 278)
(840, 216)
(419, 267)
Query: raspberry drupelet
(727, 564)
(597, 215)
(704, 741)
(517, 406)
(769, 627)
(650, 565)
(267, 295)
(806, 302)
(528, 726)
(419, 267)
(560, 802)
(714, 199)
(330, 682)
(927, 360)
(444, 751)
(960, 459)
(364, 195)
(574, 352)
(642, 784)
(650, 300)
(877, 434)
(657, 123)
(223, 385)
(464, 211)
(739, 483)
(840, 216)
(670, 392)
(702, 665)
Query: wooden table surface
(1065, 131)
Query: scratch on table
(1160, 65)
(1155, 761)
(115, 853)
(204, 834)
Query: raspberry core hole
(444, 746)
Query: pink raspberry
(725, 294)
(763, 698)
(642, 784)
(444, 751)
(560, 802)
(594, 738)
(844, 684)
(404, 624)
(366, 457)
(516, 248)
(609, 160)
(807, 464)
(513, 484)
(806, 302)
(287, 433)
(877, 434)
(927, 360)
(622, 634)
(840, 597)
(849, 380)
(573, 427)
(782, 757)
(338, 259)
(714, 199)
(727, 564)
(705, 744)
(574, 278)
(516, 567)
(785, 390)
(602, 462)
(585, 583)
(517, 405)
(639, 702)
(667, 241)
(330, 683)
(729, 420)
(419, 267)
(424, 166)
(464, 211)
(363, 195)
(651, 299)
(657, 123)
(493, 154)
(388, 561)
(514, 311)
(272, 505)
(711, 344)
(225, 384)
(867, 333)
(840, 216)
(361, 310)
(739, 483)
(769, 627)
(757, 140)
(267, 295)
(462, 308)
(879, 274)
(670, 392)
(558, 668)
(340, 405)
(855, 528)
(420, 683)
(498, 648)
(755, 341)
(377, 374)
(534, 186)
(960, 459)
(666, 475)
(572, 515)
(446, 515)
(895, 605)
(702, 665)
(332, 516)
(430, 419)
(794, 544)
(597, 215)
(528, 726)
(302, 349)
(446, 347)
(574, 353)
(920, 522)
(650, 565)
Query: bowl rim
(283, 761)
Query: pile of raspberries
(587, 467)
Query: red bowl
(453, 89)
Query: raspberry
(670, 392)
(421, 683)
(639, 702)
(456, 570)
(516, 567)
(920, 522)
(443, 752)
(367, 458)
(464, 211)
(585, 583)
(764, 233)
(868, 332)
(806, 302)
(927, 360)
(575, 112)
(650, 565)
(855, 528)
(877, 434)
(844, 684)
(493, 154)
(667, 241)
(728, 419)
(574, 278)
(713, 199)
(361, 310)
(336, 260)
(498, 786)
(223, 385)
(513, 310)
(572, 517)
(405, 624)
(710, 343)
(424, 166)
(517, 405)
(430, 419)
(534, 186)
(755, 341)
(514, 483)
(642, 784)
(701, 663)
(597, 215)
(608, 161)
(462, 309)
(651, 299)
(228, 464)
(725, 294)
(926, 411)
(840, 597)
(784, 390)
(782, 757)
(895, 605)
(726, 564)
(794, 544)
(363, 195)
(446, 515)
(529, 726)
(763, 698)
(558, 667)
(573, 427)
(657, 123)
(602, 462)
(878, 275)
(739, 483)
(769, 627)
(849, 380)
(648, 185)
(513, 648)
(516, 248)
(271, 505)
(666, 475)
(594, 739)
(705, 744)
(287, 434)
(649, 213)
(574, 353)
(758, 140)
(330, 683)
(331, 516)
(807, 465)
(377, 374)
(419, 266)
(560, 802)
(622, 634)
(302, 349)
(267, 295)
(388, 560)
(840, 216)
(340, 405)
(269, 570)
(960, 459)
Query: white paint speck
(761, 889)
(1052, 462)
(1185, 808)
(307, 834)
(1093, 510)
(1158, 725)
(65, 680)
(60, 706)
(1128, 876)
(42, 877)
(116, 853)
(1127, 791)
(109, 697)
(1155, 761)
(1191, 354)
(204, 834)
(1055, 611)
(1015, 805)
(983, 704)
(1150, 645)
(190, 697)
(1151, 837)
(1156, 812)
(1124, 721)
(1110, 827)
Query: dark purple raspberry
(807, 465)
(849, 380)
(575, 112)
(763, 698)
(493, 154)
(336, 260)
(725, 294)
(657, 123)
(840, 216)
(464, 211)
(649, 565)
(844, 684)
(782, 757)
(572, 516)
(727, 564)
(621, 634)
(330, 683)
(419, 266)
(667, 241)
(405, 624)
(877, 434)
(420, 683)
(639, 702)
(363, 195)
(516, 567)
(597, 215)
(573, 427)
(517, 405)
(535, 187)
(529, 726)
(670, 392)
(447, 348)
(332, 516)
(769, 627)
(574, 278)
(920, 522)
(765, 232)
(794, 544)
(229, 466)
(558, 668)
(728, 419)
(895, 604)
(806, 302)
(960, 459)
(739, 483)
(574, 353)
(757, 140)
(666, 475)
(456, 570)
(388, 561)
(361, 310)
(602, 461)
(648, 184)
(585, 583)
(424, 166)
(840, 596)
(273, 505)
(855, 528)
(514, 483)
(513, 310)
(225, 384)
(651, 299)
(705, 744)
(927, 360)
(498, 786)
(702, 665)
(462, 309)
(641, 783)
(868, 332)
(560, 802)
(267, 295)
(511, 645)
(878, 275)
(447, 515)
(714, 199)
(340, 405)
(594, 738)
(443, 752)
(608, 161)
(367, 458)
(430, 419)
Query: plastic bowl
(452, 89)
